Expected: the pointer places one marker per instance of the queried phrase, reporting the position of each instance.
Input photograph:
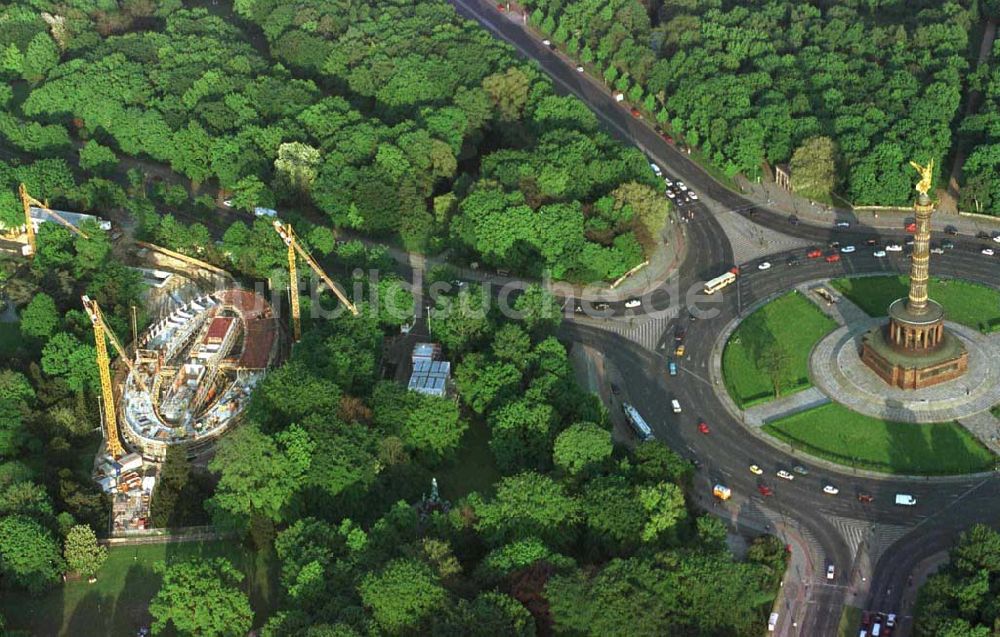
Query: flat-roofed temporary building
(430, 377)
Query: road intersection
(875, 546)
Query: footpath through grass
(117, 604)
(790, 324)
(836, 433)
(971, 304)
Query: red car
(911, 227)
(703, 427)
(833, 258)
(735, 269)
(815, 253)
(765, 490)
(865, 498)
(635, 113)
(501, 6)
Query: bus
(637, 422)
(719, 282)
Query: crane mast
(288, 236)
(27, 201)
(104, 368)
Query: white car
(547, 42)
(680, 184)
(890, 621)
(784, 475)
(831, 490)
(988, 252)
(879, 254)
(754, 469)
(656, 169)
(693, 196)
(847, 249)
(937, 250)
(830, 572)
(579, 69)
(633, 303)
(667, 181)
(843, 224)
(228, 203)
(764, 265)
(893, 247)
(996, 237)
(671, 194)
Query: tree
(29, 555)
(40, 317)
(814, 168)
(528, 505)
(296, 167)
(66, 357)
(511, 344)
(581, 448)
(174, 476)
(654, 461)
(521, 435)
(403, 596)
(664, 505)
(463, 321)
(490, 614)
(483, 384)
(97, 158)
(777, 361)
(257, 474)
(82, 552)
(645, 207)
(40, 57)
(539, 310)
(509, 93)
(201, 597)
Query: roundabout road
(945, 507)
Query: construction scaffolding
(200, 362)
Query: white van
(772, 622)
(676, 406)
(905, 500)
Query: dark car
(948, 244)
(865, 498)
(952, 230)
(793, 220)
(793, 260)
(872, 241)
(615, 389)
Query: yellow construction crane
(288, 236)
(27, 201)
(103, 331)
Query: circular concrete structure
(837, 370)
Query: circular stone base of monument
(837, 370)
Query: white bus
(637, 422)
(719, 282)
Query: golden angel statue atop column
(926, 175)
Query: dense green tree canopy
(201, 597)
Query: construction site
(185, 379)
(194, 371)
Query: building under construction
(194, 371)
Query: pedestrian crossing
(877, 537)
(644, 330)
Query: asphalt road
(944, 507)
